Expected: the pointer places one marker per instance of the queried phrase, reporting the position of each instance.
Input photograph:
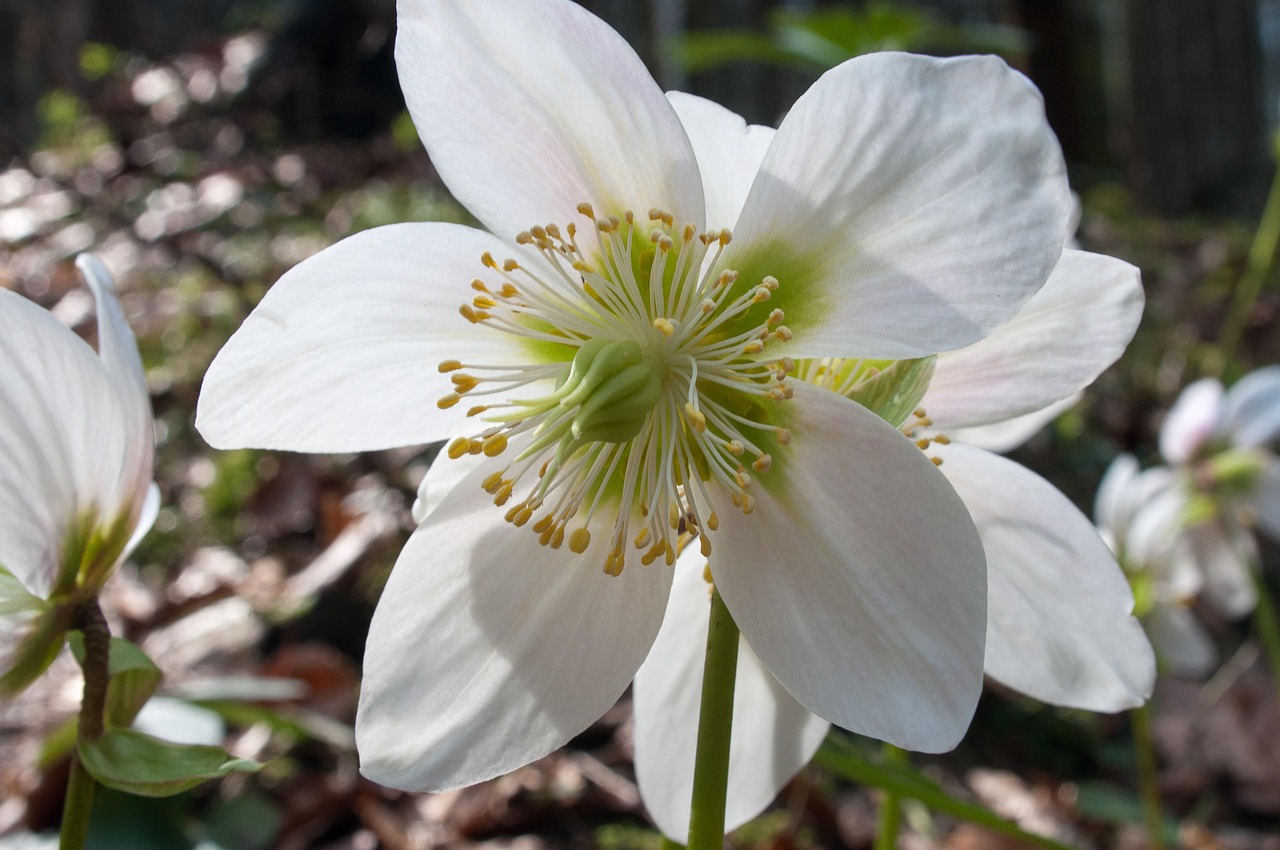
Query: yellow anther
(770, 283)
(673, 517)
(463, 382)
(510, 265)
(690, 231)
(487, 260)
(783, 333)
(553, 231)
(544, 523)
(735, 448)
(484, 302)
(783, 435)
(509, 290)
(725, 238)
(707, 305)
(458, 447)
(788, 365)
(604, 225)
(753, 347)
(706, 573)
(539, 232)
(776, 317)
(653, 554)
(696, 418)
(704, 545)
(477, 410)
(761, 294)
(748, 504)
(742, 477)
(584, 268)
(586, 209)
(524, 237)
(614, 563)
(523, 516)
(642, 539)
(666, 326)
(763, 463)
(936, 461)
(546, 535)
(579, 540)
(942, 440)
(493, 481)
(495, 445)
(501, 497)
(557, 537)
(713, 521)
(449, 365)
(448, 401)
(918, 412)
(923, 444)
(479, 285)
(665, 243)
(475, 446)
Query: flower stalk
(1267, 623)
(80, 787)
(1148, 777)
(715, 726)
(890, 814)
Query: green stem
(1264, 617)
(890, 805)
(668, 844)
(1148, 777)
(1261, 254)
(80, 787)
(715, 724)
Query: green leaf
(128, 760)
(133, 678)
(841, 756)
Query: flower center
(656, 392)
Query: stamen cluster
(659, 396)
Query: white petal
(1267, 500)
(908, 205)
(1071, 330)
(488, 651)
(1156, 542)
(1225, 554)
(65, 438)
(1180, 641)
(1251, 408)
(1192, 421)
(341, 354)
(1109, 501)
(444, 474)
(528, 108)
(1007, 435)
(1059, 611)
(773, 736)
(729, 152)
(859, 579)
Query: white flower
(1230, 480)
(76, 451)
(628, 379)
(1141, 515)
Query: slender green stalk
(715, 724)
(1148, 777)
(1261, 255)
(668, 844)
(1264, 617)
(890, 805)
(80, 786)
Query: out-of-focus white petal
(528, 108)
(1226, 553)
(342, 353)
(1008, 435)
(1181, 642)
(1059, 610)
(729, 152)
(1267, 500)
(488, 651)
(1194, 418)
(859, 579)
(1066, 335)
(1251, 408)
(146, 518)
(773, 736)
(65, 440)
(920, 225)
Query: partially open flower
(623, 372)
(76, 451)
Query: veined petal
(1193, 420)
(488, 651)
(729, 152)
(1059, 611)
(1009, 434)
(528, 108)
(773, 735)
(859, 579)
(65, 440)
(1076, 326)
(908, 205)
(1251, 408)
(342, 353)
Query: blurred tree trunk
(1194, 118)
(39, 50)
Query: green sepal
(895, 391)
(133, 678)
(41, 635)
(136, 763)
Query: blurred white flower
(76, 452)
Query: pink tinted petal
(1193, 420)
